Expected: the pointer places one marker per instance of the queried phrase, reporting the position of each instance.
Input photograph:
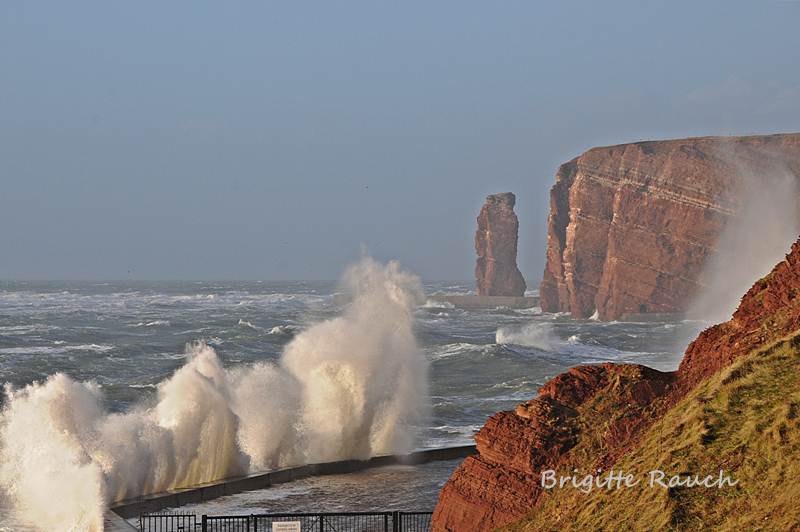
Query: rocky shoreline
(593, 417)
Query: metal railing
(169, 522)
(289, 522)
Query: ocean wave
(249, 325)
(215, 341)
(54, 350)
(538, 335)
(516, 384)
(517, 397)
(349, 387)
(430, 303)
(451, 350)
(193, 331)
(284, 330)
(530, 311)
(467, 430)
(154, 323)
(20, 330)
(28, 302)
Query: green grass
(745, 420)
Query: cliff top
(707, 139)
(507, 198)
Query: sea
(127, 337)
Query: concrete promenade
(173, 499)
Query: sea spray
(355, 403)
(349, 387)
(754, 239)
(538, 335)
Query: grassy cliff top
(743, 420)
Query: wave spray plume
(350, 387)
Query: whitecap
(51, 350)
(432, 303)
(450, 350)
(284, 330)
(538, 335)
(248, 325)
(530, 311)
(154, 323)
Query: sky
(277, 140)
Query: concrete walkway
(114, 523)
(174, 499)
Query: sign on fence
(286, 526)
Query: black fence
(301, 522)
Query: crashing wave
(346, 388)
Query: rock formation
(631, 226)
(600, 416)
(496, 271)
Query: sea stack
(496, 271)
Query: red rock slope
(591, 416)
(631, 226)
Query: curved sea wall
(173, 499)
(631, 227)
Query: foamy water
(264, 381)
(349, 387)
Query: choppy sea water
(129, 336)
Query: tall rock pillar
(496, 271)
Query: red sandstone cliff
(591, 416)
(631, 226)
(496, 271)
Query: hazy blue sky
(266, 140)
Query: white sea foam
(538, 335)
(58, 349)
(14, 330)
(248, 325)
(215, 341)
(432, 303)
(154, 323)
(530, 311)
(349, 387)
(283, 330)
(452, 350)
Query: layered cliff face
(703, 417)
(496, 271)
(500, 484)
(632, 226)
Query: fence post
(396, 521)
(386, 522)
(205, 523)
(321, 523)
